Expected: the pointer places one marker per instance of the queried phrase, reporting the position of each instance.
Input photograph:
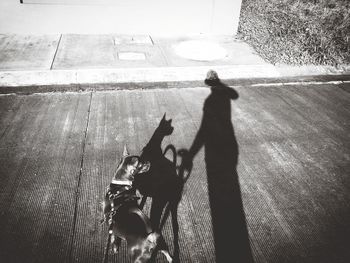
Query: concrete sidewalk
(27, 60)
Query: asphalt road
(270, 179)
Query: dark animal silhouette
(162, 182)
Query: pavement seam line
(77, 192)
(151, 39)
(54, 56)
(302, 83)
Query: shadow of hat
(212, 78)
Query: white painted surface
(131, 56)
(156, 17)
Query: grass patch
(298, 32)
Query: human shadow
(217, 135)
(163, 183)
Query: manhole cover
(200, 50)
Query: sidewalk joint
(77, 192)
(151, 39)
(54, 56)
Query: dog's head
(165, 126)
(129, 167)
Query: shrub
(298, 31)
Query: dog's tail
(171, 147)
(182, 171)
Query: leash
(119, 194)
(105, 257)
(117, 200)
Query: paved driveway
(286, 200)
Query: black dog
(125, 219)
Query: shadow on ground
(217, 135)
(162, 182)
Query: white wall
(155, 17)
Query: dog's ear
(164, 116)
(145, 167)
(125, 151)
